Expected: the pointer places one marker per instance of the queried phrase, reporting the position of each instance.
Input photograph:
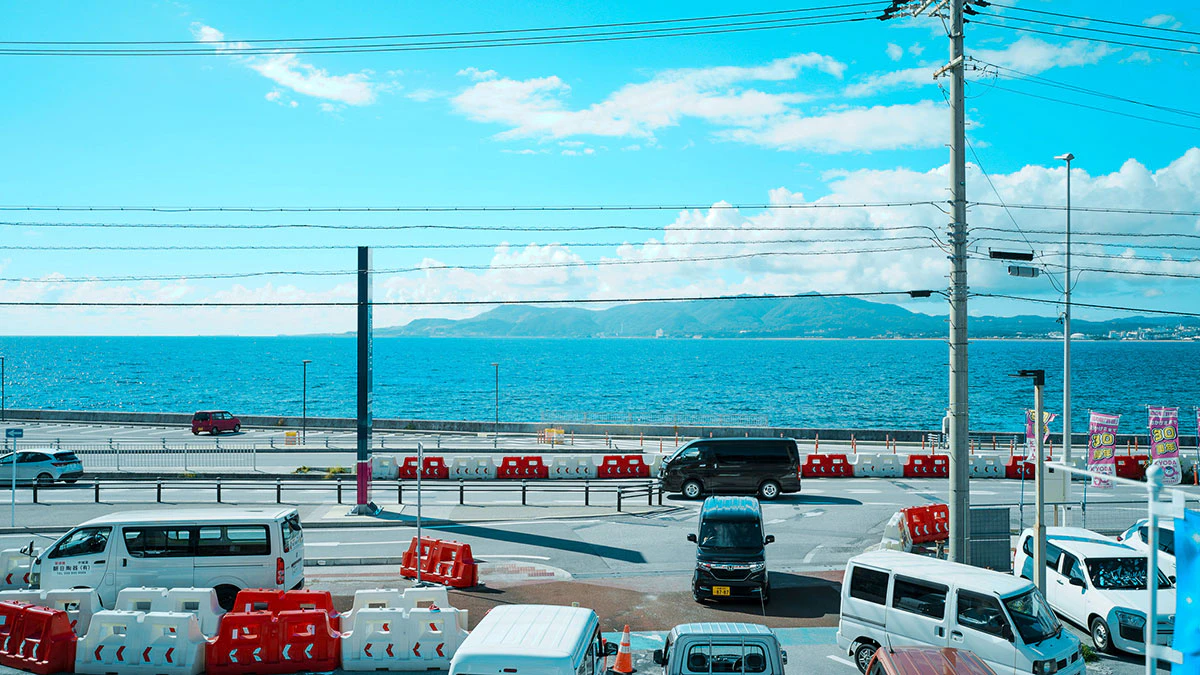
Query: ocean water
(805, 383)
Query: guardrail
(621, 491)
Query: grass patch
(336, 471)
(1089, 654)
(302, 470)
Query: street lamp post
(3, 403)
(496, 423)
(1067, 324)
(304, 404)
(1039, 523)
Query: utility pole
(1067, 325)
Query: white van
(894, 599)
(534, 640)
(226, 549)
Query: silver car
(41, 466)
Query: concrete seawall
(912, 436)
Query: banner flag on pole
(1102, 445)
(1030, 439)
(1164, 442)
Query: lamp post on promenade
(304, 404)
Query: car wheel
(692, 489)
(1101, 638)
(214, 430)
(226, 596)
(863, 654)
(45, 479)
(237, 428)
(768, 490)
(195, 432)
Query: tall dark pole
(496, 424)
(363, 506)
(304, 405)
(3, 404)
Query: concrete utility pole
(1067, 325)
(364, 506)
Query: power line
(425, 268)
(464, 209)
(1104, 31)
(449, 303)
(1089, 18)
(463, 228)
(1081, 37)
(1096, 233)
(1092, 209)
(451, 34)
(1096, 108)
(1117, 308)
(218, 49)
(1162, 247)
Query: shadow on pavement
(800, 498)
(542, 541)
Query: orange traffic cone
(624, 662)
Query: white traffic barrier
(199, 602)
(392, 638)
(986, 467)
(394, 598)
(173, 643)
(877, 466)
(108, 645)
(141, 599)
(14, 568)
(573, 466)
(80, 604)
(384, 467)
(157, 643)
(24, 595)
(473, 468)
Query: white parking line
(839, 659)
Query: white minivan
(223, 548)
(894, 599)
(534, 640)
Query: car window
(1072, 568)
(981, 613)
(730, 534)
(1052, 555)
(200, 417)
(1121, 574)
(158, 542)
(690, 453)
(84, 541)
(291, 531)
(714, 657)
(868, 584)
(233, 540)
(919, 597)
(31, 457)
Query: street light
(1039, 524)
(496, 424)
(1067, 324)
(304, 404)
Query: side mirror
(692, 537)
(1076, 581)
(611, 648)
(769, 540)
(1007, 633)
(783, 656)
(658, 657)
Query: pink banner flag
(1030, 439)
(1102, 445)
(1164, 442)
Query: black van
(731, 560)
(762, 466)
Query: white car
(1138, 537)
(1100, 584)
(43, 466)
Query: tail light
(279, 571)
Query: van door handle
(99, 562)
(956, 634)
(939, 631)
(124, 562)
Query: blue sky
(841, 113)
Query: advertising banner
(1164, 442)
(1102, 445)
(1030, 439)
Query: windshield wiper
(1055, 634)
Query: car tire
(45, 479)
(769, 490)
(226, 596)
(1101, 636)
(863, 653)
(237, 428)
(71, 481)
(692, 489)
(195, 432)
(214, 430)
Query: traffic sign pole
(14, 434)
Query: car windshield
(731, 534)
(1166, 540)
(1032, 616)
(1121, 574)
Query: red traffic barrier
(522, 467)
(926, 466)
(407, 469)
(435, 468)
(263, 643)
(925, 524)
(275, 601)
(443, 562)
(1132, 466)
(826, 466)
(307, 642)
(623, 466)
(1019, 468)
(36, 639)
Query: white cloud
(288, 71)
(1033, 56)
(537, 107)
(916, 49)
(863, 129)
(1140, 56)
(879, 82)
(894, 51)
(1163, 21)
(477, 74)
(424, 95)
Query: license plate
(721, 590)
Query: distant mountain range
(813, 317)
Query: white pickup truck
(721, 648)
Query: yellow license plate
(720, 590)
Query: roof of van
(209, 515)
(526, 632)
(733, 439)
(1088, 544)
(943, 571)
(720, 628)
(726, 506)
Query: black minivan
(762, 466)
(731, 560)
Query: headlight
(1045, 667)
(758, 566)
(704, 566)
(1130, 619)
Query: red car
(927, 661)
(215, 421)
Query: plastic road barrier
(442, 562)
(473, 468)
(14, 568)
(435, 468)
(394, 598)
(987, 467)
(1132, 466)
(877, 466)
(573, 467)
(403, 639)
(926, 466)
(623, 466)
(530, 466)
(155, 643)
(200, 602)
(384, 467)
(925, 524)
(266, 643)
(277, 602)
(36, 639)
(1019, 468)
(826, 466)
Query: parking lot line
(839, 659)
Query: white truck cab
(721, 648)
(534, 640)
